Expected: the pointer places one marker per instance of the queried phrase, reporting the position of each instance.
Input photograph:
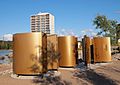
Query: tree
(40, 61)
(102, 23)
(107, 27)
(49, 56)
(6, 44)
(52, 54)
(118, 32)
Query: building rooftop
(40, 13)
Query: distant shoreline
(4, 52)
(7, 49)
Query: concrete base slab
(22, 77)
(54, 73)
(66, 68)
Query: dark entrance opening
(92, 53)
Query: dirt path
(68, 76)
(111, 71)
(7, 80)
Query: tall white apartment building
(42, 22)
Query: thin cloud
(1, 38)
(118, 11)
(6, 37)
(89, 32)
(64, 32)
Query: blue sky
(74, 15)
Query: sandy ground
(108, 74)
(104, 75)
(5, 67)
(7, 80)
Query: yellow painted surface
(87, 52)
(26, 47)
(53, 39)
(67, 47)
(102, 49)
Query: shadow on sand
(50, 80)
(95, 78)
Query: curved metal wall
(102, 49)
(67, 46)
(26, 47)
(87, 50)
